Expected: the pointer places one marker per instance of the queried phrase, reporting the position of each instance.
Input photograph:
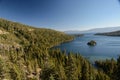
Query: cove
(107, 47)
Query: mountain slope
(27, 34)
(25, 54)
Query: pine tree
(71, 69)
(118, 69)
(85, 71)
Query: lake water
(107, 47)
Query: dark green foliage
(117, 71)
(74, 67)
(85, 71)
(71, 68)
(50, 73)
(26, 54)
(110, 67)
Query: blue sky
(63, 14)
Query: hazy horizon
(63, 15)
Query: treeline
(35, 36)
(25, 54)
(51, 65)
(114, 33)
(110, 67)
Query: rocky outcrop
(91, 43)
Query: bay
(107, 47)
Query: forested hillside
(114, 33)
(25, 54)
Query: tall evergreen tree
(71, 69)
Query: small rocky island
(92, 43)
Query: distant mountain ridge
(96, 30)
